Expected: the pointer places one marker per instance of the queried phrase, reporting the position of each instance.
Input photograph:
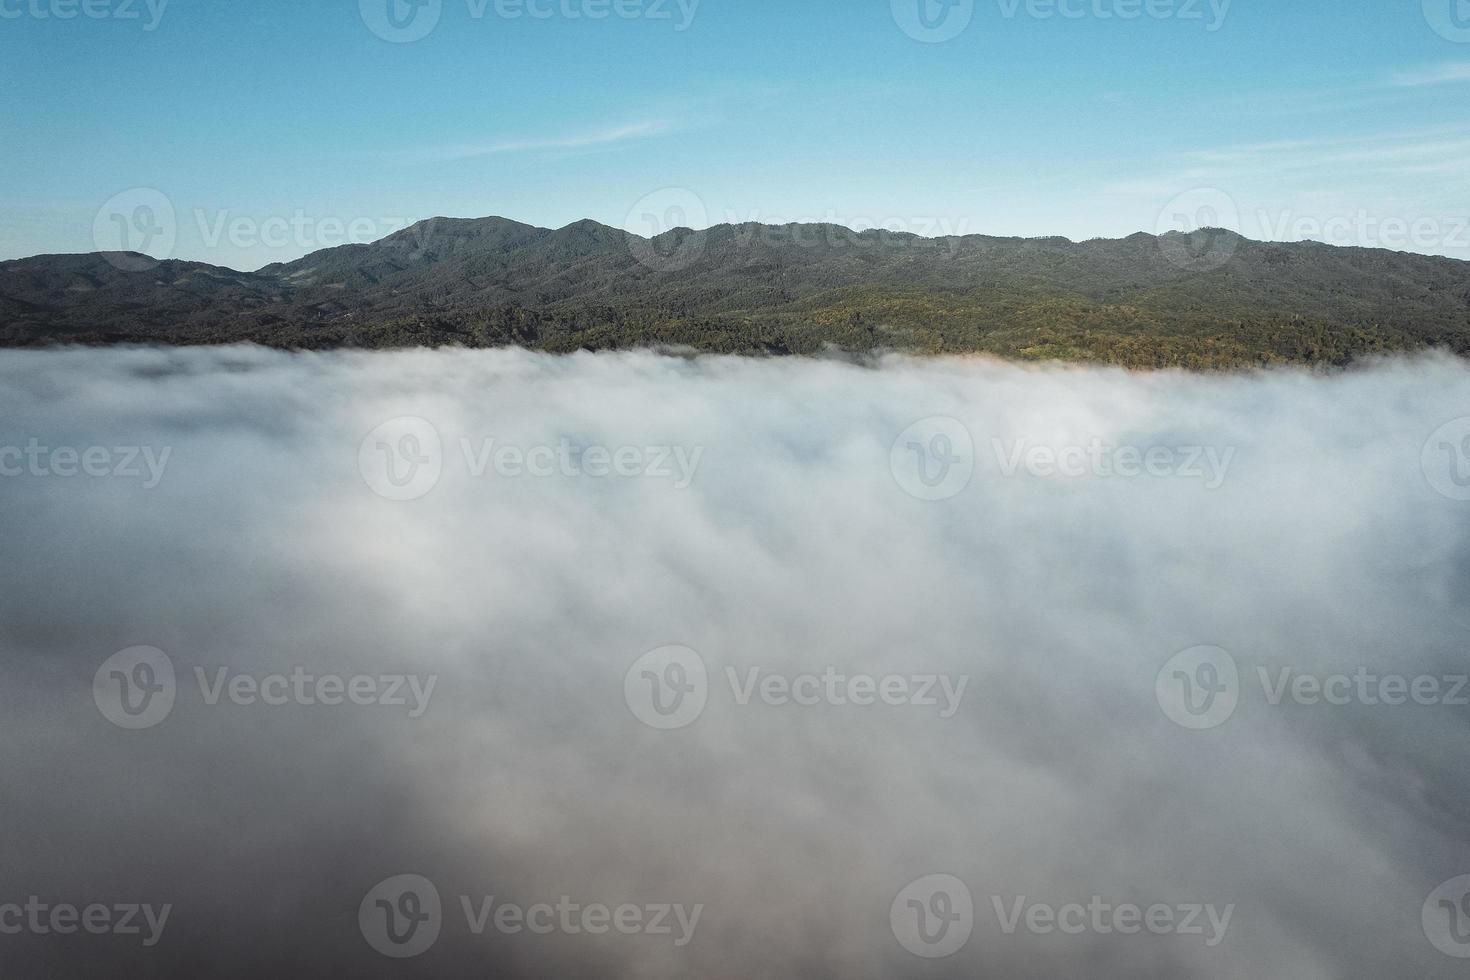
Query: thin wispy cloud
(1437, 150)
(1446, 74)
(608, 137)
(1348, 92)
(1441, 150)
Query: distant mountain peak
(590, 226)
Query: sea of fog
(501, 665)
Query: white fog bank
(737, 668)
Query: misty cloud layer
(799, 546)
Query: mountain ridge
(1210, 298)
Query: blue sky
(271, 128)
